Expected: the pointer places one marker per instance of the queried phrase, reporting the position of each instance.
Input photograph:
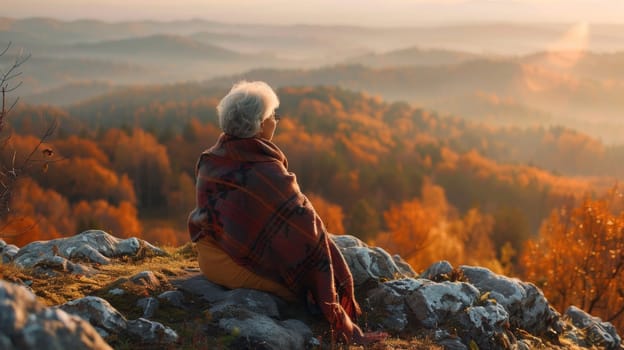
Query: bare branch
(6, 49)
(10, 89)
(12, 105)
(15, 75)
(29, 159)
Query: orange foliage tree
(87, 179)
(144, 160)
(427, 230)
(578, 258)
(166, 236)
(363, 220)
(330, 213)
(410, 225)
(474, 230)
(36, 214)
(121, 221)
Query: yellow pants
(219, 268)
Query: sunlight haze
(344, 12)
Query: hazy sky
(353, 12)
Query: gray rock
(252, 317)
(27, 324)
(173, 297)
(371, 264)
(386, 304)
(99, 312)
(102, 315)
(347, 241)
(432, 304)
(199, 286)
(257, 331)
(116, 291)
(146, 279)
(250, 299)
(151, 332)
(437, 270)
(58, 263)
(405, 268)
(149, 305)
(131, 245)
(8, 253)
(94, 245)
(448, 341)
(368, 263)
(408, 305)
(527, 307)
(2, 245)
(597, 333)
(484, 325)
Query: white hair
(244, 108)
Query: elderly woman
(253, 226)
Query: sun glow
(570, 48)
(562, 55)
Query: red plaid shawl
(252, 207)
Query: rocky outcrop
(371, 264)
(27, 324)
(254, 316)
(94, 246)
(108, 321)
(463, 307)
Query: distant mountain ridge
(500, 36)
(160, 46)
(412, 56)
(448, 68)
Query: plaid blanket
(252, 207)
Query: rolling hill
(157, 47)
(447, 68)
(412, 56)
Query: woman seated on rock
(253, 226)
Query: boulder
(370, 264)
(8, 252)
(147, 280)
(597, 332)
(151, 332)
(57, 264)
(252, 318)
(205, 290)
(249, 299)
(386, 307)
(173, 297)
(258, 331)
(440, 270)
(149, 306)
(527, 306)
(109, 322)
(99, 312)
(25, 323)
(94, 246)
